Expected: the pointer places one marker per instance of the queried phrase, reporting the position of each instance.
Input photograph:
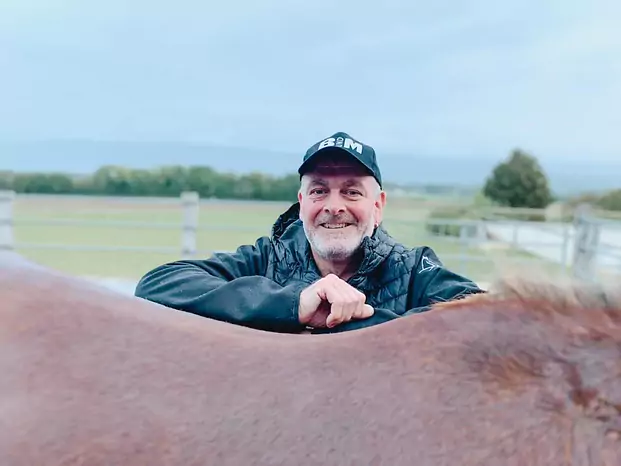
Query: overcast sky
(445, 77)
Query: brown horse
(523, 376)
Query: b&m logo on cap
(346, 143)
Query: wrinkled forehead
(339, 177)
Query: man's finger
(355, 302)
(345, 301)
(337, 318)
(336, 314)
(366, 312)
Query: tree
(113, 180)
(6, 179)
(42, 183)
(611, 200)
(518, 182)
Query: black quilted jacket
(259, 285)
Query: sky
(443, 78)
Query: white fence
(586, 246)
(189, 203)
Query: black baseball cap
(363, 153)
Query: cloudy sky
(436, 78)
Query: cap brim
(309, 163)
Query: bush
(610, 201)
(518, 182)
(448, 213)
(521, 216)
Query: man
(328, 266)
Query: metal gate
(597, 246)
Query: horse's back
(89, 376)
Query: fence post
(6, 220)
(586, 242)
(565, 246)
(191, 207)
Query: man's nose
(334, 204)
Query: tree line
(168, 181)
(517, 181)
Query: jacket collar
(288, 230)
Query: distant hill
(81, 157)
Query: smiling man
(328, 266)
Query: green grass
(403, 219)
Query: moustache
(335, 219)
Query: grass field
(232, 223)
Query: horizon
(84, 158)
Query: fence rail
(578, 245)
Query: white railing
(189, 203)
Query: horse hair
(569, 339)
(596, 306)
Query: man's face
(339, 205)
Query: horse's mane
(585, 303)
(562, 331)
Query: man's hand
(331, 301)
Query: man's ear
(381, 200)
(380, 203)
